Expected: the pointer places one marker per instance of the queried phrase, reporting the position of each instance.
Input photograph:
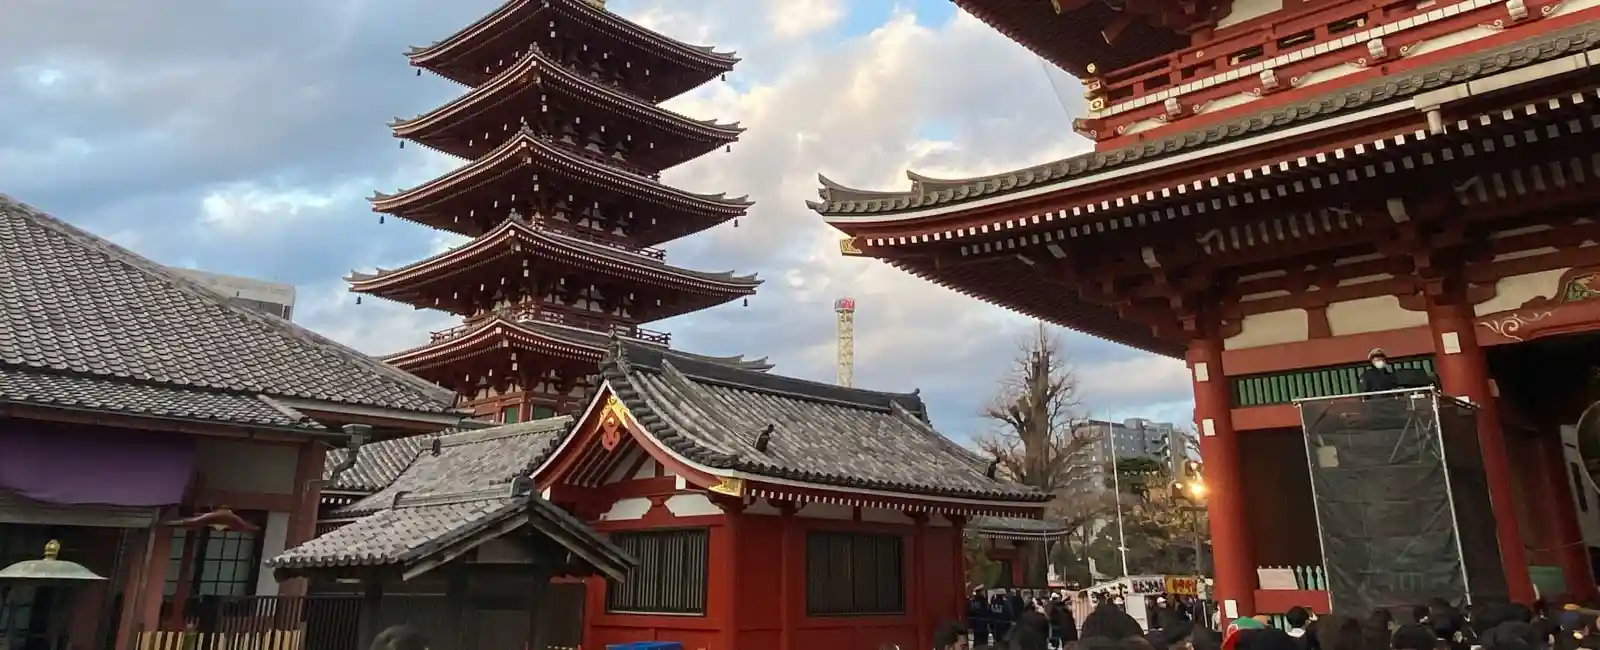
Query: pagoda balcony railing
(570, 233)
(541, 314)
(572, 147)
(1273, 56)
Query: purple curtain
(83, 465)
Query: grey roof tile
(73, 303)
(392, 534)
(377, 464)
(925, 192)
(466, 462)
(415, 527)
(62, 390)
(821, 433)
(1015, 527)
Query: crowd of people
(991, 620)
(1437, 626)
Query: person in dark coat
(1063, 626)
(978, 617)
(1000, 617)
(1380, 376)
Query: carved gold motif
(1509, 326)
(733, 487)
(848, 247)
(613, 423)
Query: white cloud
(951, 99)
(243, 208)
(801, 18)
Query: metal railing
(1286, 387)
(316, 622)
(538, 313)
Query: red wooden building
(1275, 189)
(763, 511)
(767, 511)
(561, 193)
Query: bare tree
(1040, 440)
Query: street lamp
(1194, 492)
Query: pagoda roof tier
(505, 332)
(1248, 218)
(450, 202)
(1197, 151)
(516, 241)
(468, 55)
(1077, 34)
(661, 137)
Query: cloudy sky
(243, 138)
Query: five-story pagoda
(561, 195)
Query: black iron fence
(320, 622)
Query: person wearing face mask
(1380, 376)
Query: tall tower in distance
(846, 309)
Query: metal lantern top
(49, 569)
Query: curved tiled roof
(1073, 39)
(536, 240)
(535, 70)
(589, 341)
(707, 61)
(75, 305)
(377, 464)
(468, 461)
(413, 529)
(525, 148)
(843, 204)
(819, 433)
(1015, 527)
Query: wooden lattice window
(671, 575)
(854, 574)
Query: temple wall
(1376, 314)
(1244, 10)
(1384, 313)
(240, 466)
(1514, 291)
(1271, 328)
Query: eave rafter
(680, 138)
(687, 66)
(431, 202)
(516, 237)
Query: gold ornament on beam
(848, 247)
(733, 487)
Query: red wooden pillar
(1225, 499)
(1464, 373)
(918, 604)
(790, 561)
(130, 621)
(1560, 516)
(732, 513)
(308, 496)
(957, 528)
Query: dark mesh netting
(1379, 483)
(1469, 491)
